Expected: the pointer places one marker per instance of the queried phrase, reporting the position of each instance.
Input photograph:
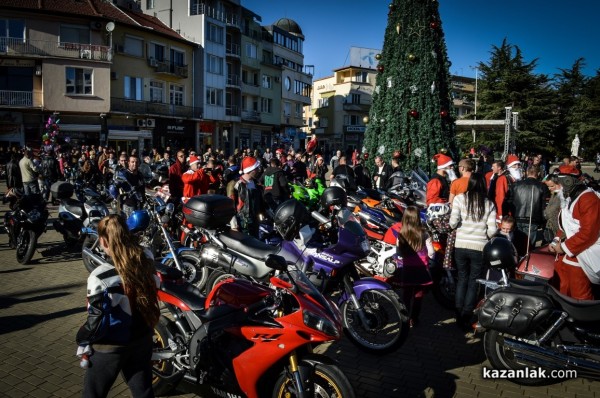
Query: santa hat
(443, 161)
(249, 163)
(511, 160)
(193, 159)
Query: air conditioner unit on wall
(153, 62)
(86, 54)
(150, 123)
(141, 123)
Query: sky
(556, 32)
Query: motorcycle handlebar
(319, 217)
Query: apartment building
(108, 72)
(242, 71)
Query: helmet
(437, 210)
(290, 216)
(113, 191)
(138, 221)
(334, 196)
(500, 253)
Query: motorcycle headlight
(321, 324)
(34, 215)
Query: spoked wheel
(328, 381)
(26, 243)
(387, 322)
(193, 270)
(502, 357)
(162, 371)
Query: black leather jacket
(521, 194)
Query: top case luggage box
(209, 211)
(62, 190)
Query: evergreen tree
(584, 119)
(411, 109)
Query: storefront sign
(355, 129)
(26, 63)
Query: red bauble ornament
(434, 25)
(380, 68)
(47, 142)
(444, 113)
(413, 113)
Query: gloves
(84, 350)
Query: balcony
(233, 80)
(250, 116)
(41, 48)
(154, 108)
(232, 49)
(20, 99)
(232, 110)
(362, 107)
(169, 68)
(211, 12)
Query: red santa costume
(312, 144)
(438, 188)
(580, 265)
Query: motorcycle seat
(186, 292)
(74, 206)
(579, 310)
(247, 245)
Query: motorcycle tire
(444, 289)
(385, 312)
(501, 357)
(26, 243)
(193, 270)
(163, 382)
(215, 277)
(88, 263)
(328, 381)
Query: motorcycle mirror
(170, 208)
(276, 262)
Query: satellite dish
(110, 26)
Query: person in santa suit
(195, 180)
(500, 182)
(311, 145)
(438, 187)
(577, 243)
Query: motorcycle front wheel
(193, 270)
(502, 357)
(387, 322)
(327, 381)
(26, 243)
(163, 372)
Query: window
(75, 34)
(214, 64)
(133, 88)
(298, 110)
(78, 81)
(352, 120)
(214, 96)
(157, 90)
(267, 57)
(251, 51)
(175, 94)
(323, 102)
(266, 105)
(149, 4)
(288, 83)
(177, 57)
(355, 99)
(12, 28)
(301, 88)
(267, 81)
(157, 51)
(361, 77)
(214, 33)
(287, 109)
(323, 122)
(134, 46)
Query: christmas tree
(411, 115)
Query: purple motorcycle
(374, 317)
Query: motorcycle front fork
(296, 375)
(359, 308)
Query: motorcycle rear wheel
(388, 320)
(193, 270)
(329, 381)
(215, 277)
(26, 243)
(501, 357)
(162, 371)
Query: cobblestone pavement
(43, 304)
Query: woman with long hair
(122, 312)
(415, 249)
(474, 217)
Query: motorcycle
(374, 317)
(74, 214)
(247, 339)
(529, 324)
(25, 222)
(309, 193)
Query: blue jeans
(31, 187)
(469, 265)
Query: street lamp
(109, 28)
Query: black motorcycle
(532, 332)
(24, 223)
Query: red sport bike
(247, 339)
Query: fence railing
(26, 47)
(154, 108)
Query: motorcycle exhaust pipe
(544, 358)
